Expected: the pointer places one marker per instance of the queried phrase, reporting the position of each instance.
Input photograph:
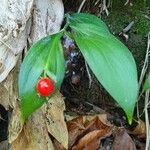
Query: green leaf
(147, 83)
(110, 60)
(44, 57)
(86, 18)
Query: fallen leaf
(69, 117)
(56, 124)
(15, 125)
(34, 135)
(87, 131)
(140, 129)
(90, 141)
(96, 124)
(57, 145)
(122, 140)
(75, 128)
(102, 118)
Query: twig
(81, 6)
(146, 16)
(96, 108)
(144, 69)
(89, 75)
(126, 2)
(105, 7)
(147, 120)
(2, 118)
(145, 66)
(126, 29)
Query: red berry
(45, 87)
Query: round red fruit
(45, 87)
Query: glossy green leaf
(147, 83)
(44, 57)
(110, 60)
(86, 18)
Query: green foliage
(147, 83)
(44, 57)
(109, 59)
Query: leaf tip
(130, 117)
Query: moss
(142, 26)
(121, 15)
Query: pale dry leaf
(21, 143)
(15, 126)
(70, 117)
(102, 117)
(8, 90)
(57, 145)
(87, 118)
(122, 141)
(34, 135)
(55, 119)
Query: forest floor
(130, 22)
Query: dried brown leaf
(75, 128)
(90, 141)
(123, 141)
(56, 124)
(96, 124)
(81, 127)
(140, 129)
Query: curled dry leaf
(101, 117)
(122, 141)
(87, 131)
(90, 141)
(96, 123)
(75, 128)
(140, 129)
(55, 119)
